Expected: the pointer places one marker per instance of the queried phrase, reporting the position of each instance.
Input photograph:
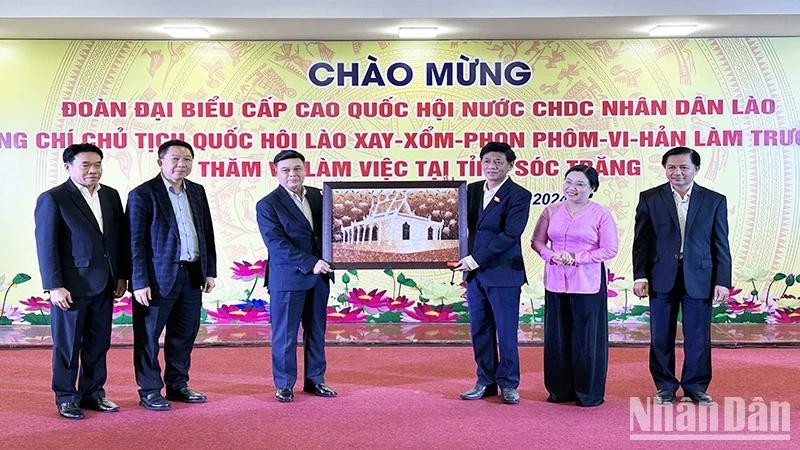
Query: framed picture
(394, 224)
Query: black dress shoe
(100, 404)
(320, 390)
(510, 396)
(186, 395)
(284, 395)
(70, 410)
(154, 402)
(701, 398)
(664, 397)
(479, 391)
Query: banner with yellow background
(390, 110)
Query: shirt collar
(85, 191)
(300, 197)
(496, 188)
(169, 185)
(678, 196)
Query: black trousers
(179, 313)
(664, 308)
(81, 334)
(576, 346)
(288, 310)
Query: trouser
(493, 323)
(179, 313)
(288, 309)
(81, 333)
(664, 308)
(576, 346)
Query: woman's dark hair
(591, 175)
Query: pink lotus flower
(12, 314)
(122, 306)
(373, 302)
(785, 315)
(400, 303)
(36, 304)
(239, 314)
(426, 313)
(736, 308)
(345, 315)
(247, 272)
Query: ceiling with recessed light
(379, 20)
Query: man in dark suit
(81, 241)
(682, 260)
(495, 272)
(174, 261)
(290, 221)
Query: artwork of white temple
(391, 225)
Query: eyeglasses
(580, 185)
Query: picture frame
(394, 224)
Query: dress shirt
(93, 200)
(488, 196)
(682, 207)
(190, 245)
(302, 202)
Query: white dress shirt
(488, 196)
(93, 200)
(682, 206)
(302, 202)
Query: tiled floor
(722, 335)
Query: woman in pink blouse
(574, 238)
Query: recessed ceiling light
(187, 32)
(673, 30)
(417, 32)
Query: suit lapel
(291, 206)
(162, 198)
(669, 204)
(498, 197)
(80, 202)
(695, 205)
(196, 205)
(315, 201)
(475, 202)
(107, 207)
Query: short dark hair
(164, 148)
(73, 150)
(499, 147)
(288, 154)
(694, 156)
(591, 175)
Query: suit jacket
(657, 241)
(294, 248)
(155, 240)
(495, 233)
(73, 252)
